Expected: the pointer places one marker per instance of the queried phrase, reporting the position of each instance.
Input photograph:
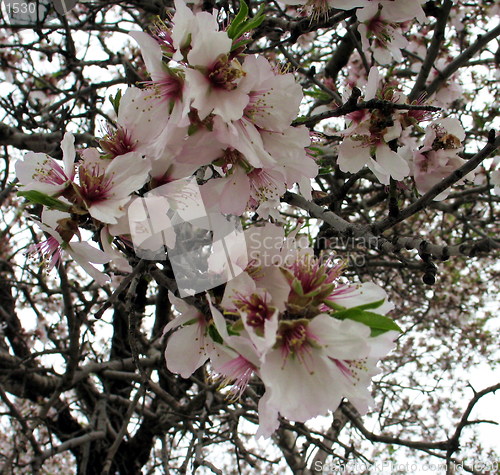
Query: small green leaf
(42, 199)
(214, 334)
(378, 323)
(241, 25)
(333, 305)
(371, 305)
(238, 20)
(236, 328)
(115, 101)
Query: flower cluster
(438, 157)
(380, 22)
(291, 321)
(208, 110)
(381, 140)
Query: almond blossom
(105, 186)
(60, 228)
(438, 157)
(314, 365)
(190, 328)
(368, 142)
(387, 38)
(40, 172)
(396, 10)
(213, 74)
(287, 334)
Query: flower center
(118, 142)
(95, 185)
(256, 308)
(293, 337)
(224, 74)
(54, 175)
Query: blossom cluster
(223, 119)
(290, 321)
(380, 22)
(383, 140)
(209, 110)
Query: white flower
(189, 346)
(56, 224)
(438, 158)
(314, 365)
(106, 186)
(42, 173)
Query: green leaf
(241, 25)
(318, 94)
(371, 305)
(378, 323)
(115, 101)
(214, 334)
(238, 20)
(42, 199)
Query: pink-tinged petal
(265, 343)
(372, 84)
(184, 25)
(119, 260)
(129, 173)
(109, 210)
(243, 136)
(366, 13)
(187, 313)
(341, 339)
(38, 171)
(227, 104)
(382, 174)
(69, 154)
(50, 218)
(392, 163)
(90, 154)
(403, 10)
(302, 388)
(201, 148)
(362, 404)
(235, 194)
(208, 45)
(287, 148)
(86, 252)
(353, 155)
(83, 253)
(276, 284)
(268, 417)
(219, 320)
(393, 132)
(382, 344)
(305, 187)
(100, 277)
(452, 126)
(150, 50)
(274, 98)
(143, 115)
(348, 4)
(242, 284)
(362, 294)
(184, 354)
